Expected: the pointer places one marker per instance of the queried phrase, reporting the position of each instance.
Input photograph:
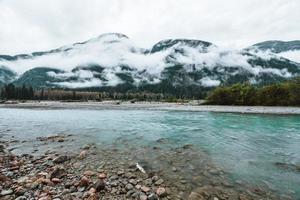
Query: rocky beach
(92, 172)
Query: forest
(277, 94)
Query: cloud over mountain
(112, 59)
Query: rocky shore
(92, 173)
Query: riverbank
(91, 172)
(118, 105)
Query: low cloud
(291, 55)
(116, 54)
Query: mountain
(6, 75)
(289, 49)
(114, 61)
(168, 44)
(277, 46)
(38, 77)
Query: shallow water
(246, 146)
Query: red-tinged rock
(145, 189)
(47, 182)
(42, 174)
(15, 163)
(4, 178)
(89, 173)
(45, 198)
(84, 181)
(56, 180)
(93, 196)
(92, 190)
(102, 176)
(14, 168)
(39, 180)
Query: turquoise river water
(247, 146)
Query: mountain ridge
(112, 59)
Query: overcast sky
(34, 25)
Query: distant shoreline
(162, 106)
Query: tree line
(11, 92)
(279, 94)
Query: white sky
(35, 25)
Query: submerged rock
(99, 185)
(82, 155)
(84, 181)
(161, 192)
(159, 182)
(58, 172)
(153, 197)
(61, 159)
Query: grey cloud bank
(35, 25)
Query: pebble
(152, 197)
(56, 180)
(102, 176)
(138, 187)
(99, 185)
(112, 178)
(143, 197)
(120, 173)
(129, 187)
(148, 181)
(6, 192)
(86, 147)
(159, 182)
(58, 172)
(84, 181)
(133, 181)
(145, 189)
(61, 159)
(82, 155)
(89, 173)
(161, 192)
(21, 198)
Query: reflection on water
(246, 146)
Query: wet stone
(129, 187)
(102, 176)
(21, 198)
(133, 181)
(61, 159)
(84, 181)
(161, 192)
(99, 185)
(159, 182)
(6, 192)
(143, 197)
(148, 182)
(112, 178)
(58, 172)
(153, 197)
(145, 189)
(129, 193)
